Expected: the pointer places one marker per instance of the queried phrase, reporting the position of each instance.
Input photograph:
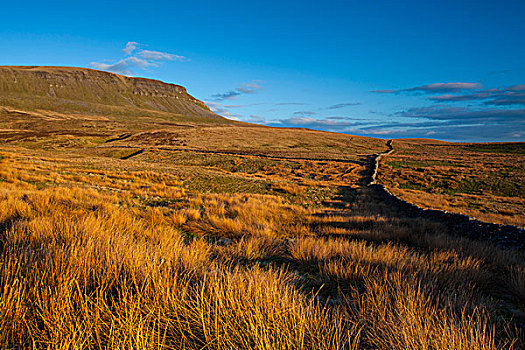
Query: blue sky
(451, 70)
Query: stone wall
(506, 236)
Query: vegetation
(72, 108)
(118, 232)
(94, 257)
(507, 148)
(460, 178)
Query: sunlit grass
(104, 258)
(464, 179)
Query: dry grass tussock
(88, 261)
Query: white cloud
(436, 88)
(137, 58)
(130, 47)
(160, 56)
(125, 65)
(220, 110)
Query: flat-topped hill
(88, 91)
(57, 107)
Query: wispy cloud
(516, 88)
(228, 95)
(137, 58)
(446, 131)
(472, 115)
(385, 91)
(303, 113)
(489, 114)
(457, 98)
(290, 104)
(502, 71)
(250, 88)
(507, 100)
(246, 88)
(436, 88)
(507, 96)
(222, 110)
(255, 119)
(125, 65)
(160, 56)
(327, 124)
(130, 47)
(441, 122)
(343, 105)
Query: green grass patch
(121, 153)
(413, 186)
(347, 194)
(396, 164)
(495, 184)
(226, 162)
(509, 148)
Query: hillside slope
(67, 107)
(128, 223)
(81, 90)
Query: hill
(77, 107)
(82, 90)
(129, 220)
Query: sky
(448, 70)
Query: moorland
(486, 181)
(131, 216)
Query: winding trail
(505, 236)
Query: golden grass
(88, 262)
(456, 177)
(79, 272)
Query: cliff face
(80, 90)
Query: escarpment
(70, 89)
